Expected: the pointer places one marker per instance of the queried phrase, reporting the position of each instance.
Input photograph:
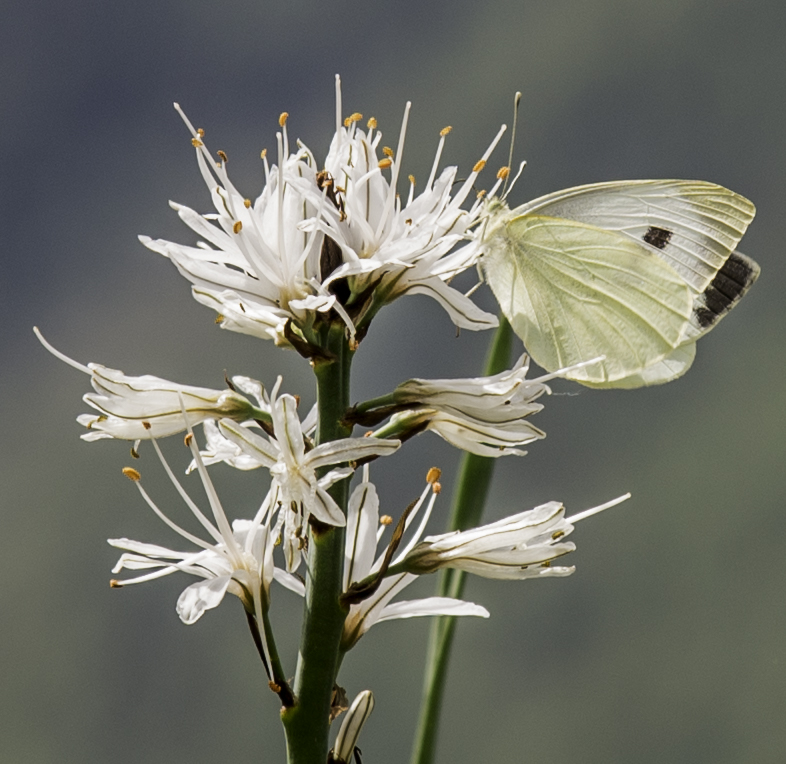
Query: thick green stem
(473, 485)
(306, 724)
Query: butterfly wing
(574, 292)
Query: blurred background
(668, 643)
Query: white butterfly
(635, 271)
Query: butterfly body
(635, 271)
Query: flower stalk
(306, 724)
(473, 484)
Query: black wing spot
(725, 290)
(657, 237)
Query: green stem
(473, 485)
(306, 724)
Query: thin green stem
(473, 485)
(306, 724)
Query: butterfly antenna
(516, 104)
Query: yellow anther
(200, 132)
(188, 438)
(132, 474)
(115, 584)
(557, 535)
(481, 193)
(282, 120)
(503, 173)
(352, 118)
(546, 564)
(408, 221)
(263, 153)
(387, 151)
(196, 143)
(247, 203)
(385, 163)
(237, 227)
(445, 130)
(433, 475)
(372, 123)
(411, 179)
(479, 166)
(219, 318)
(273, 686)
(385, 520)
(147, 425)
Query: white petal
(201, 596)
(431, 606)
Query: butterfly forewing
(574, 292)
(692, 225)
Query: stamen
(503, 173)
(479, 165)
(391, 200)
(237, 227)
(384, 163)
(222, 155)
(187, 440)
(372, 123)
(433, 475)
(196, 143)
(387, 151)
(282, 120)
(200, 132)
(132, 474)
(58, 354)
(385, 520)
(115, 584)
(338, 104)
(594, 511)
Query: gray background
(668, 642)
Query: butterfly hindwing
(574, 292)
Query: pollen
(385, 163)
(282, 120)
(385, 520)
(132, 474)
(557, 535)
(222, 155)
(387, 151)
(238, 227)
(263, 153)
(479, 166)
(503, 173)
(247, 203)
(115, 584)
(196, 143)
(411, 179)
(445, 130)
(200, 132)
(188, 438)
(372, 123)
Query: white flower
(361, 560)
(256, 265)
(336, 240)
(237, 559)
(294, 469)
(348, 734)
(140, 408)
(517, 547)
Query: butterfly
(635, 271)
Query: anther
(387, 151)
(187, 439)
(557, 535)
(237, 227)
(196, 143)
(445, 130)
(282, 120)
(433, 475)
(263, 153)
(147, 425)
(385, 520)
(479, 165)
(385, 163)
(274, 686)
(219, 319)
(132, 474)
(222, 155)
(115, 584)
(247, 203)
(546, 564)
(503, 173)
(481, 193)
(411, 179)
(408, 221)
(352, 118)
(200, 132)
(134, 453)
(372, 123)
